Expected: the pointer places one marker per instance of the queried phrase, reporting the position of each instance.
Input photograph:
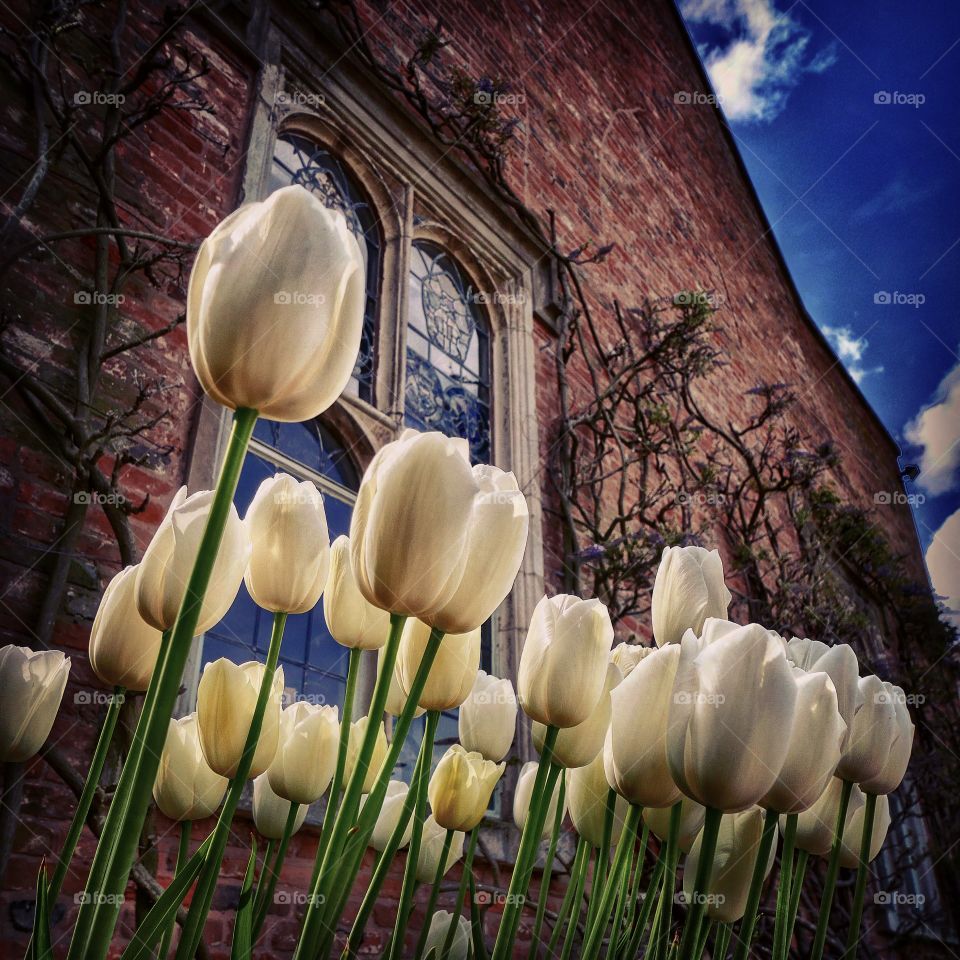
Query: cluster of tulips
(702, 745)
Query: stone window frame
(418, 192)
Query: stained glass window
(447, 384)
(298, 160)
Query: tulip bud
(524, 794)
(454, 669)
(463, 532)
(488, 717)
(563, 665)
(587, 791)
(396, 696)
(875, 729)
(898, 759)
(437, 936)
(31, 688)
(358, 730)
(577, 746)
(275, 307)
(731, 717)
(186, 788)
(123, 646)
(389, 817)
(168, 563)
(431, 846)
(814, 749)
(839, 662)
(270, 812)
(692, 815)
(461, 787)
(738, 846)
(688, 588)
(627, 655)
(289, 545)
(635, 752)
(853, 829)
(351, 619)
(226, 698)
(816, 824)
(306, 757)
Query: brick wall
(602, 143)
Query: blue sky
(846, 116)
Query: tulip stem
(629, 906)
(461, 895)
(621, 860)
(120, 835)
(87, 794)
(796, 886)
(602, 865)
(722, 942)
(576, 868)
(749, 921)
(434, 893)
(574, 921)
(264, 867)
(708, 848)
(783, 888)
(183, 854)
(664, 919)
(622, 908)
(413, 850)
(207, 881)
(388, 853)
(833, 868)
(856, 914)
(640, 926)
(265, 896)
(705, 932)
(544, 891)
(529, 841)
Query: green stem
(749, 921)
(796, 887)
(722, 942)
(110, 869)
(262, 906)
(602, 864)
(579, 862)
(548, 870)
(708, 848)
(434, 893)
(87, 794)
(640, 925)
(413, 853)
(625, 848)
(856, 915)
(783, 888)
(705, 931)
(581, 880)
(264, 869)
(388, 853)
(526, 855)
(833, 868)
(207, 881)
(183, 853)
(461, 895)
(664, 922)
(630, 904)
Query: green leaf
(476, 923)
(40, 941)
(243, 924)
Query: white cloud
(936, 428)
(764, 55)
(943, 562)
(850, 349)
(896, 196)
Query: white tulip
(306, 757)
(563, 665)
(853, 829)
(874, 731)
(692, 815)
(290, 546)
(627, 655)
(431, 846)
(358, 730)
(816, 824)
(523, 794)
(275, 307)
(453, 671)
(839, 662)
(461, 787)
(587, 791)
(437, 937)
(226, 698)
(396, 696)
(353, 621)
(488, 717)
(898, 758)
(186, 788)
(635, 750)
(731, 717)
(270, 812)
(123, 646)
(688, 588)
(389, 817)
(168, 562)
(31, 688)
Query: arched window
(314, 665)
(447, 384)
(298, 160)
